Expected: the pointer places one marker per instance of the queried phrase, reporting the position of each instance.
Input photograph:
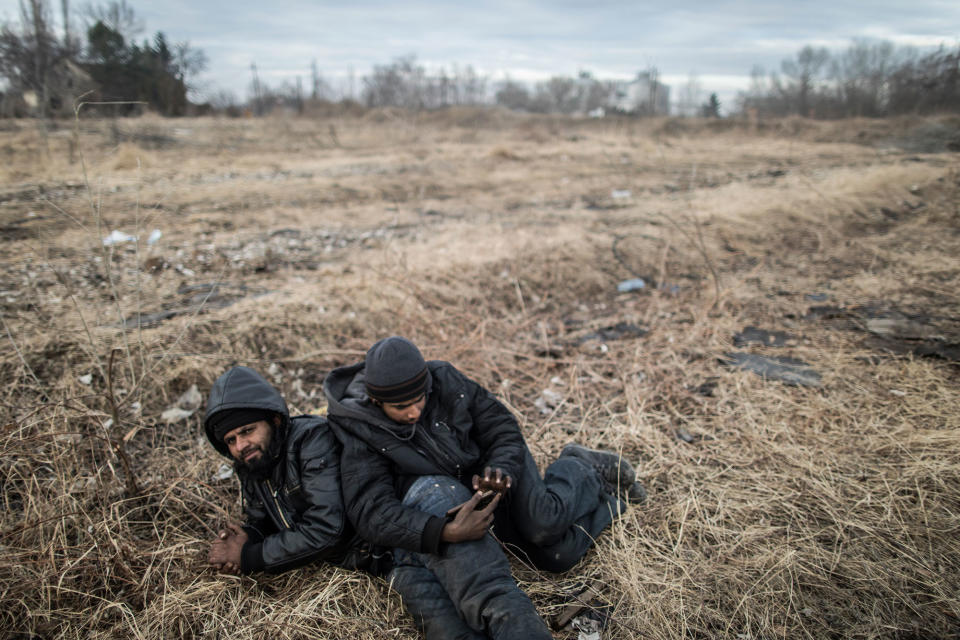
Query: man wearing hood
(289, 471)
(417, 436)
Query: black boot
(613, 468)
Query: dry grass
(496, 242)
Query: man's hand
(469, 523)
(492, 480)
(225, 552)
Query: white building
(644, 95)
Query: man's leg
(427, 601)
(555, 519)
(474, 576)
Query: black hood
(347, 397)
(243, 388)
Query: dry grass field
(495, 241)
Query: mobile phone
(485, 500)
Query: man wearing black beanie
(423, 445)
(289, 471)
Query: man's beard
(260, 466)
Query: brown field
(494, 241)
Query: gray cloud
(529, 39)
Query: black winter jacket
(462, 429)
(295, 515)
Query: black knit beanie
(395, 371)
(222, 422)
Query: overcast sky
(719, 41)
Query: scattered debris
(587, 613)
(187, 404)
(894, 331)
(686, 436)
(155, 236)
(619, 331)
(753, 335)
(633, 284)
(225, 472)
(190, 399)
(118, 237)
(588, 628)
(621, 194)
(175, 414)
(817, 297)
(548, 401)
(788, 370)
(86, 379)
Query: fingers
(476, 482)
(234, 529)
(490, 508)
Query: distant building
(66, 82)
(644, 95)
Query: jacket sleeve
(495, 430)
(319, 530)
(372, 505)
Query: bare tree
(688, 102)
(513, 95)
(804, 73)
(117, 15)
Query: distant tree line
(46, 72)
(868, 79)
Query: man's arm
(496, 430)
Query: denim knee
(436, 494)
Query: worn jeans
(555, 520)
(467, 591)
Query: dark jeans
(467, 591)
(556, 519)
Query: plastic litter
(224, 472)
(118, 237)
(190, 399)
(633, 284)
(175, 414)
(155, 236)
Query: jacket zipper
(273, 492)
(441, 453)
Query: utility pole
(257, 98)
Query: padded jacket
(295, 515)
(462, 429)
